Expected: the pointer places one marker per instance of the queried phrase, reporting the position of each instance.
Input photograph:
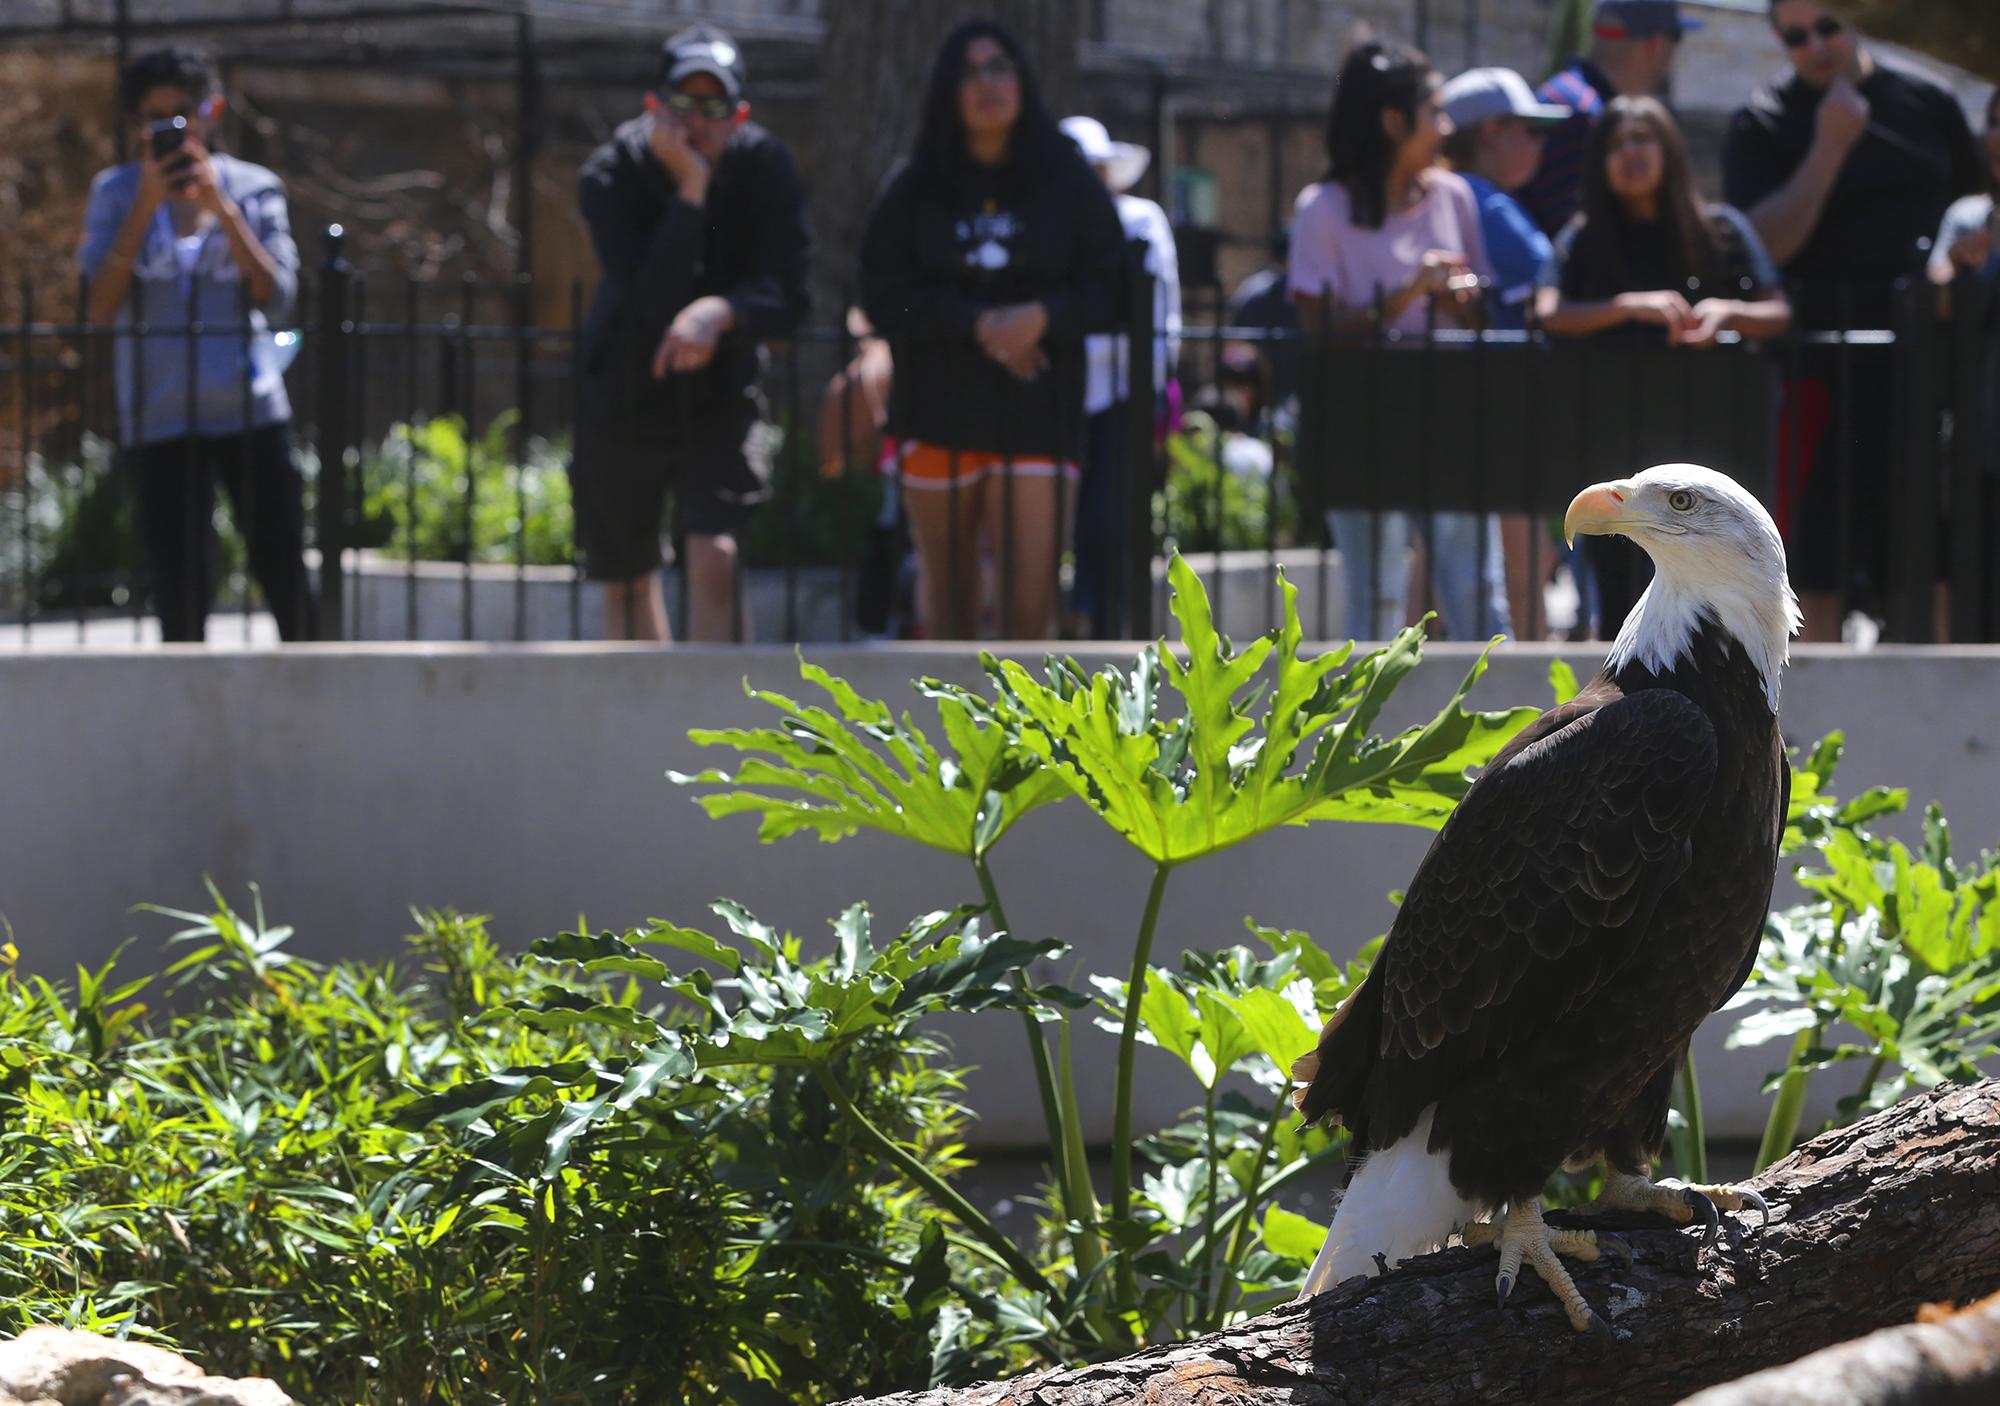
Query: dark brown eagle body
(1598, 892)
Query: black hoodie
(940, 250)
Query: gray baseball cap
(703, 49)
(1479, 94)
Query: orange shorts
(935, 466)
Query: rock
(57, 1367)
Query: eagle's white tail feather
(1401, 1203)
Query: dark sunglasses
(995, 68)
(1795, 36)
(714, 109)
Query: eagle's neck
(1660, 632)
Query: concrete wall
(354, 782)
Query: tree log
(1868, 1223)
(1946, 1359)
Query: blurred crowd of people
(992, 388)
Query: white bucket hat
(1124, 162)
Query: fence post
(1140, 471)
(335, 431)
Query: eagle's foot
(1674, 1200)
(1522, 1236)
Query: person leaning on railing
(987, 257)
(1646, 260)
(1966, 243)
(188, 234)
(1391, 235)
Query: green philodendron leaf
(1291, 1236)
(1215, 776)
(603, 952)
(698, 944)
(1273, 1025)
(555, 1009)
(1562, 680)
(470, 1101)
(833, 773)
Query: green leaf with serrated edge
(1180, 788)
(1562, 680)
(1291, 1236)
(1273, 1026)
(1164, 1014)
(603, 952)
(832, 773)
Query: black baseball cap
(703, 49)
(1639, 19)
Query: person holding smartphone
(186, 234)
(698, 218)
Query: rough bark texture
(875, 63)
(1868, 1223)
(1963, 33)
(1950, 1359)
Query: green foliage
(446, 1182)
(435, 492)
(1221, 491)
(1900, 947)
(1185, 754)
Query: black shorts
(718, 469)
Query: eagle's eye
(1681, 500)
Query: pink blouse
(1330, 254)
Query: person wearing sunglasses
(1846, 167)
(698, 219)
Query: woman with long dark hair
(987, 257)
(1390, 238)
(1645, 251)
(1645, 258)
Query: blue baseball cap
(1639, 19)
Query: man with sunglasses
(1845, 166)
(698, 218)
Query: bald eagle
(1599, 891)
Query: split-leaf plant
(1899, 947)
(1184, 755)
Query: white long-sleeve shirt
(1106, 380)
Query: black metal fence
(432, 428)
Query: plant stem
(1782, 1128)
(1697, 1169)
(1086, 1245)
(942, 1191)
(1192, 1317)
(1239, 1238)
(1038, 1048)
(1121, 1109)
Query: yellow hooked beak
(1599, 509)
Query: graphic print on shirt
(985, 237)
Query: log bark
(1948, 1359)
(1868, 1223)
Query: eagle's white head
(1715, 552)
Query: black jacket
(937, 252)
(1917, 156)
(749, 242)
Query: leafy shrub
(1225, 490)
(1901, 947)
(435, 492)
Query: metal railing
(459, 532)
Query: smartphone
(167, 136)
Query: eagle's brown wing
(1532, 895)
